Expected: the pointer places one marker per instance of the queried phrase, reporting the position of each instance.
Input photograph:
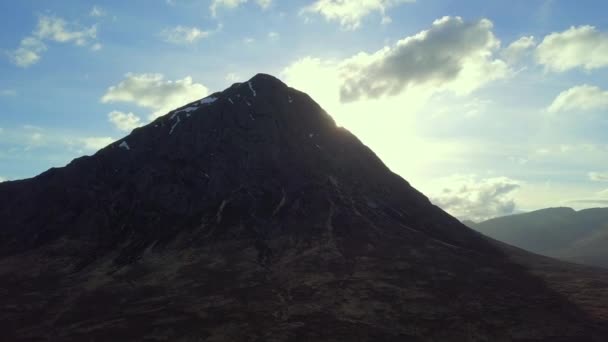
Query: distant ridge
(564, 233)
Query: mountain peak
(258, 85)
(262, 108)
(262, 78)
(250, 208)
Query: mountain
(577, 236)
(250, 216)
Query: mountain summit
(250, 216)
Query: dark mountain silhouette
(250, 216)
(577, 236)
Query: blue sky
(488, 107)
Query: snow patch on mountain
(252, 90)
(208, 100)
(174, 125)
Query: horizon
(488, 109)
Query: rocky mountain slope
(250, 216)
(576, 236)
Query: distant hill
(564, 233)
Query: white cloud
(32, 136)
(350, 13)
(233, 78)
(54, 29)
(36, 142)
(404, 86)
(468, 108)
(28, 53)
(578, 155)
(2, 179)
(183, 35)
(36, 137)
(96, 47)
(473, 198)
(97, 11)
(519, 48)
(394, 129)
(124, 121)
(598, 176)
(58, 30)
(452, 55)
(95, 143)
(273, 35)
(232, 4)
(593, 199)
(582, 46)
(7, 92)
(264, 4)
(154, 92)
(228, 4)
(584, 98)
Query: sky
(488, 107)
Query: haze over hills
(249, 215)
(577, 236)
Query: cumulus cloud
(95, 143)
(228, 4)
(124, 121)
(233, 77)
(584, 98)
(519, 49)
(232, 4)
(7, 92)
(351, 13)
(152, 91)
(28, 53)
(53, 29)
(578, 47)
(587, 202)
(452, 54)
(32, 136)
(39, 141)
(472, 198)
(183, 35)
(598, 176)
(45, 138)
(468, 108)
(599, 198)
(273, 35)
(97, 11)
(401, 106)
(58, 30)
(264, 4)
